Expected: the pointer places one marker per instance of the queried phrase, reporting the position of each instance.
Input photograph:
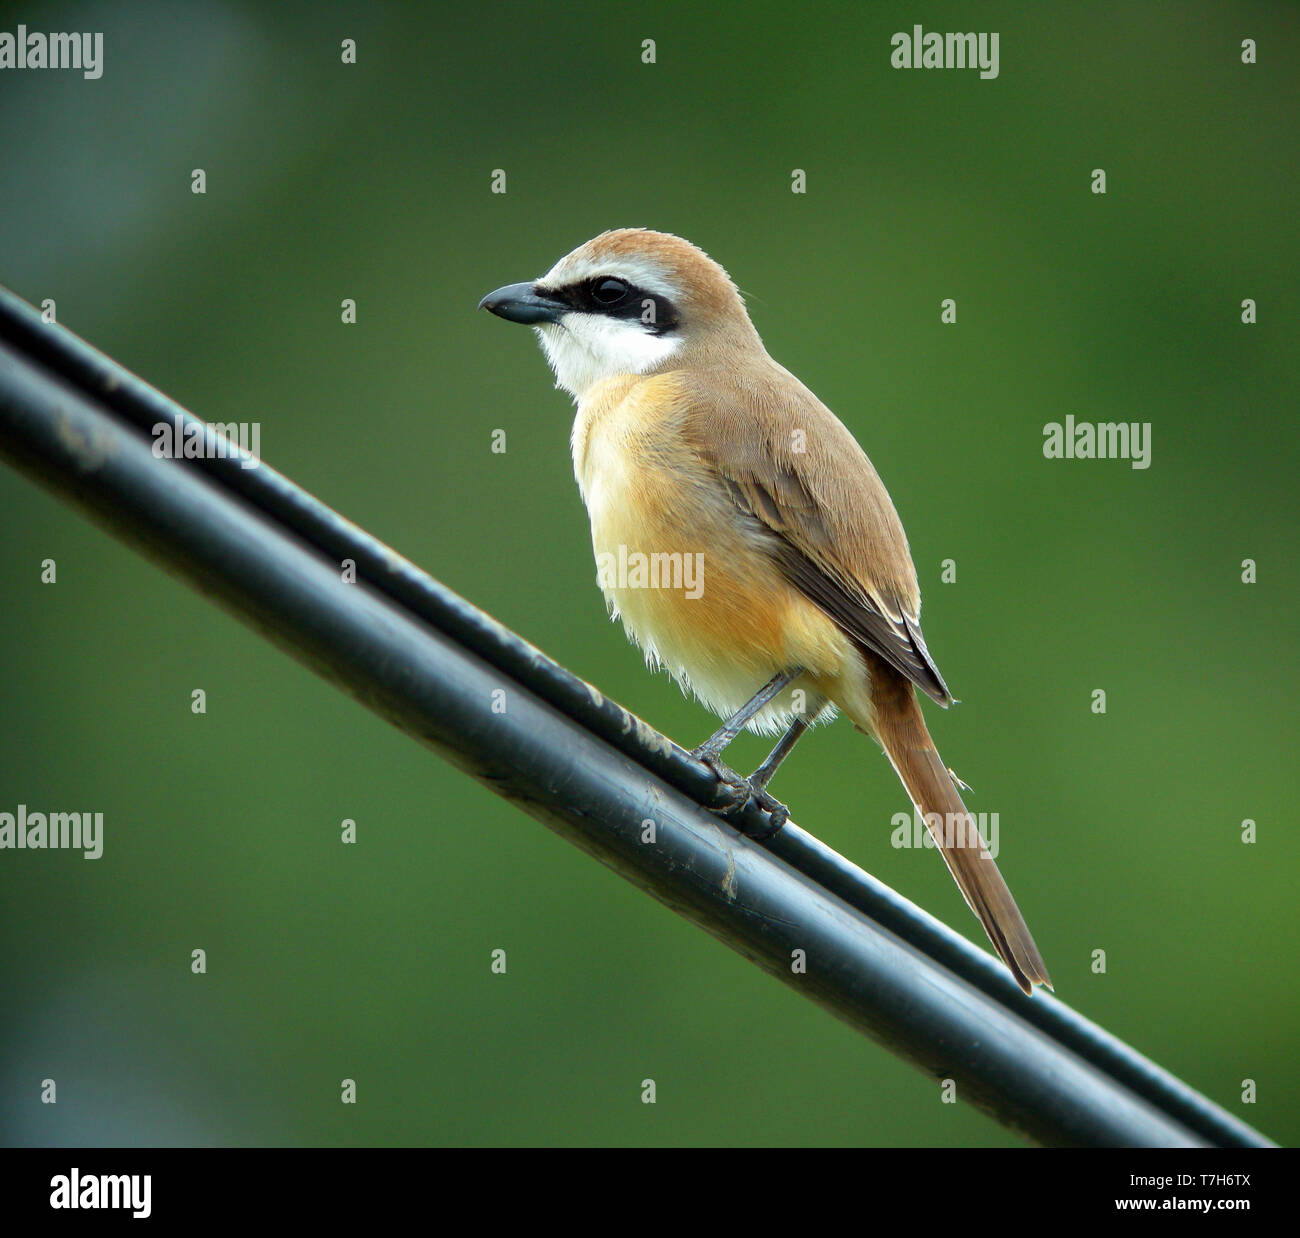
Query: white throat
(586, 349)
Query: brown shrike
(692, 446)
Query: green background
(1119, 832)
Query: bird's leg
(740, 791)
(720, 738)
(763, 774)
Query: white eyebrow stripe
(644, 275)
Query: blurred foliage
(1119, 832)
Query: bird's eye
(608, 291)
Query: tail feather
(900, 728)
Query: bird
(742, 535)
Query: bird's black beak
(523, 303)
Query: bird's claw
(734, 794)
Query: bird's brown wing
(791, 466)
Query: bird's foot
(735, 793)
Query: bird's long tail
(900, 728)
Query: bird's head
(630, 301)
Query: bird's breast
(685, 571)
